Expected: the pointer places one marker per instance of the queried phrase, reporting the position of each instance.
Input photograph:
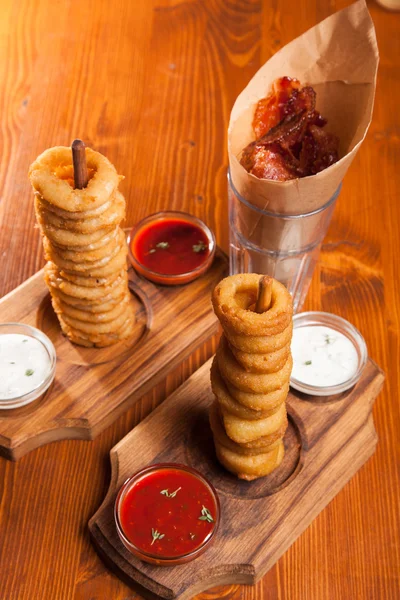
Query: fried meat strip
(271, 110)
(319, 151)
(291, 141)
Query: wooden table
(150, 83)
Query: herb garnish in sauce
(161, 245)
(200, 247)
(168, 525)
(156, 535)
(170, 495)
(308, 362)
(206, 515)
(29, 372)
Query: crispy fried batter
(262, 363)
(230, 404)
(111, 217)
(244, 431)
(61, 307)
(245, 321)
(86, 249)
(249, 467)
(220, 434)
(250, 375)
(259, 344)
(237, 376)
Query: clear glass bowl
(314, 318)
(182, 278)
(39, 391)
(156, 559)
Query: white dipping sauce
(24, 365)
(322, 356)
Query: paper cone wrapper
(339, 59)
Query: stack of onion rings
(250, 376)
(85, 247)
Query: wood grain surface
(150, 83)
(326, 442)
(94, 386)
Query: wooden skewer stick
(264, 294)
(80, 168)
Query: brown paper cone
(339, 58)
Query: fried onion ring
(265, 400)
(88, 316)
(101, 306)
(113, 291)
(116, 263)
(69, 239)
(249, 467)
(262, 344)
(267, 439)
(103, 241)
(243, 432)
(86, 249)
(98, 327)
(79, 255)
(99, 341)
(244, 321)
(109, 218)
(75, 216)
(234, 373)
(259, 401)
(261, 363)
(45, 174)
(234, 407)
(222, 438)
(55, 256)
(90, 281)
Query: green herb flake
(162, 245)
(12, 363)
(200, 247)
(29, 372)
(308, 362)
(206, 515)
(156, 535)
(170, 495)
(24, 341)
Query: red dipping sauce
(171, 247)
(167, 514)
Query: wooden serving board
(92, 387)
(327, 441)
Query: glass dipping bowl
(314, 318)
(157, 559)
(180, 278)
(39, 391)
